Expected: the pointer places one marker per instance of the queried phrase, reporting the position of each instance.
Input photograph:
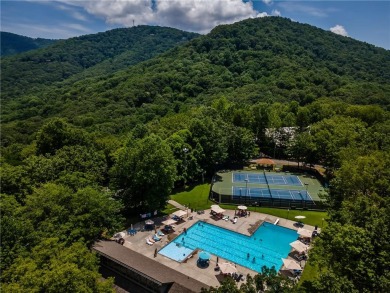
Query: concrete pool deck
(189, 267)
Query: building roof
(143, 265)
(263, 161)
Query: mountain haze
(12, 44)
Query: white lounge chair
(148, 241)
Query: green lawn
(197, 198)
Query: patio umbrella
(169, 222)
(290, 264)
(242, 207)
(119, 235)
(216, 208)
(204, 255)
(227, 268)
(149, 222)
(299, 246)
(300, 217)
(304, 233)
(179, 213)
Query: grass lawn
(196, 197)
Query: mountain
(256, 60)
(14, 44)
(119, 48)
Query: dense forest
(13, 44)
(109, 51)
(82, 152)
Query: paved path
(176, 204)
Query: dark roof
(148, 267)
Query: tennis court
(264, 178)
(240, 192)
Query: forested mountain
(267, 59)
(13, 44)
(107, 140)
(119, 48)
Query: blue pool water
(266, 247)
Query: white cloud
(339, 30)
(267, 1)
(193, 15)
(71, 10)
(276, 12)
(60, 31)
(307, 9)
(263, 14)
(202, 15)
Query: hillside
(84, 154)
(31, 71)
(256, 60)
(12, 44)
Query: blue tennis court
(239, 192)
(264, 178)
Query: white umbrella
(300, 217)
(304, 232)
(119, 235)
(227, 268)
(179, 213)
(299, 246)
(242, 207)
(216, 208)
(169, 222)
(290, 264)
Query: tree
(302, 148)
(241, 145)
(53, 267)
(17, 232)
(208, 130)
(186, 156)
(335, 134)
(228, 285)
(83, 215)
(56, 134)
(14, 180)
(353, 251)
(144, 174)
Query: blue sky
(367, 21)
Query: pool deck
(189, 267)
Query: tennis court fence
(266, 202)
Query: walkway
(176, 204)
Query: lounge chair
(300, 257)
(159, 233)
(148, 241)
(226, 218)
(156, 238)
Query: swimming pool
(266, 247)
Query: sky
(367, 21)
